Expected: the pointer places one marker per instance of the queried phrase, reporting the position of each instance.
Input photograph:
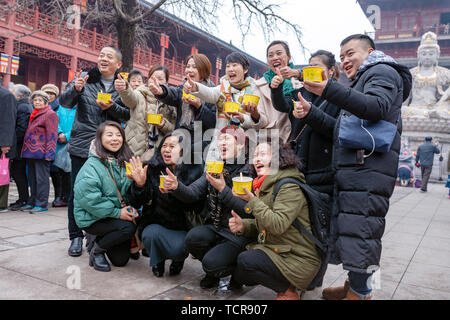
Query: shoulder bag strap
(122, 202)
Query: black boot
(158, 270)
(234, 285)
(98, 260)
(76, 247)
(209, 282)
(176, 267)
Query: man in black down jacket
(18, 165)
(363, 185)
(82, 92)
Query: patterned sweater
(41, 136)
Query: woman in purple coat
(39, 150)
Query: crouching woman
(283, 259)
(97, 205)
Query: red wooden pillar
(164, 46)
(9, 50)
(94, 38)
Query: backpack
(319, 205)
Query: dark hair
(428, 138)
(329, 60)
(362, 37)
(237, 57)
(157, 160)
(159, 68)
(117, 51)
(283, 43)
(202, 64)
(287, 157)
(124, 153)
(135, 72)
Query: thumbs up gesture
(154, 87)
(120, 84)
(80, 82)
(301, 108)
(235, 223)
(190, 85)
(277, 80)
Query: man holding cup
(84, 92)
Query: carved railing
(49, 28)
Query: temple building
(400, 24)
(36, 49)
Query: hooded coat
(294, 254)
(362, 189)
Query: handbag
(4, 170)
(356, 133)
(136, 243)
(62, 159)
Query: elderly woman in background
(18, 164)
(39, 148)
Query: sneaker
(16, 205)
(423, 190)
(38, 209)
(26, 207)
(3, 210)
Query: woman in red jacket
(39, 150)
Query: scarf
(228, 90)
(36, 111)
(258, 181)
(287, 83)
(188, 111)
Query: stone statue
(430, 94)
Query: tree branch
(147, 13)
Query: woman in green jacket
(97, 206)
(283, 259)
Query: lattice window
(41, 53)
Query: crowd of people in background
(134, 186)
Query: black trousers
(426, 172)
(217, 254)
(254, 267)
(61, 183)
(39, 178)
(74, 231)
(19, 174)
(114, 235)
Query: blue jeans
(360, 282)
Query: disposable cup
(250, 98)
(214, 166)
(154, 118)
(312, 74)
(240, 183)
(231, 106)
(104, 97)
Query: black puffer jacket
(314, 145)
(89, 115)
(199, 190)
(362, 191)
(8, 113)
(24, 110)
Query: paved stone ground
(34, 263)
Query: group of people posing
(143, 187)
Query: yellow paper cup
(250, 98)
(104, 97)
(154, 118)
(128, 167)
(231, 106)
(239, 185)
(161, 181)
(214, 166)
(124, 75)
(312, 74)
(188, 96)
